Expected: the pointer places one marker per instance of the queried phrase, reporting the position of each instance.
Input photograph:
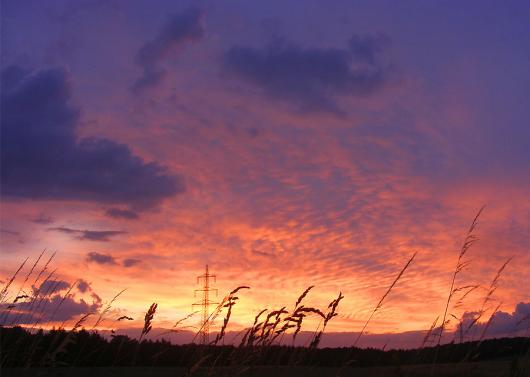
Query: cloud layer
(109, 260)
(52, 302)
(178, 31)
(100, 258)
(43, 159)
(89, 235)
(312, 78)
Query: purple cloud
(179, 30)
(312, 78)
(89, 235)
(54, 308)
(119, 213)
(83, 286)
(502, 323)
(130, 262)
(50, 287)
(41, 157)
(101, 258)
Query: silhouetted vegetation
(20, 348)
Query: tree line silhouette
(20, 348)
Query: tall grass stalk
(230, 301)
(4, 292)
(380, 303)
(469, 240)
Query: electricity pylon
(205, 303)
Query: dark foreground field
(84, 354)
(502, 368)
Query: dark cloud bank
(101, 258)
(312, 78)
(130, 262)
(107, 259)
(89, 235)
(56, 303)
(41, 157)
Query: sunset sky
(283, 143)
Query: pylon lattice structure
(205, 303)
